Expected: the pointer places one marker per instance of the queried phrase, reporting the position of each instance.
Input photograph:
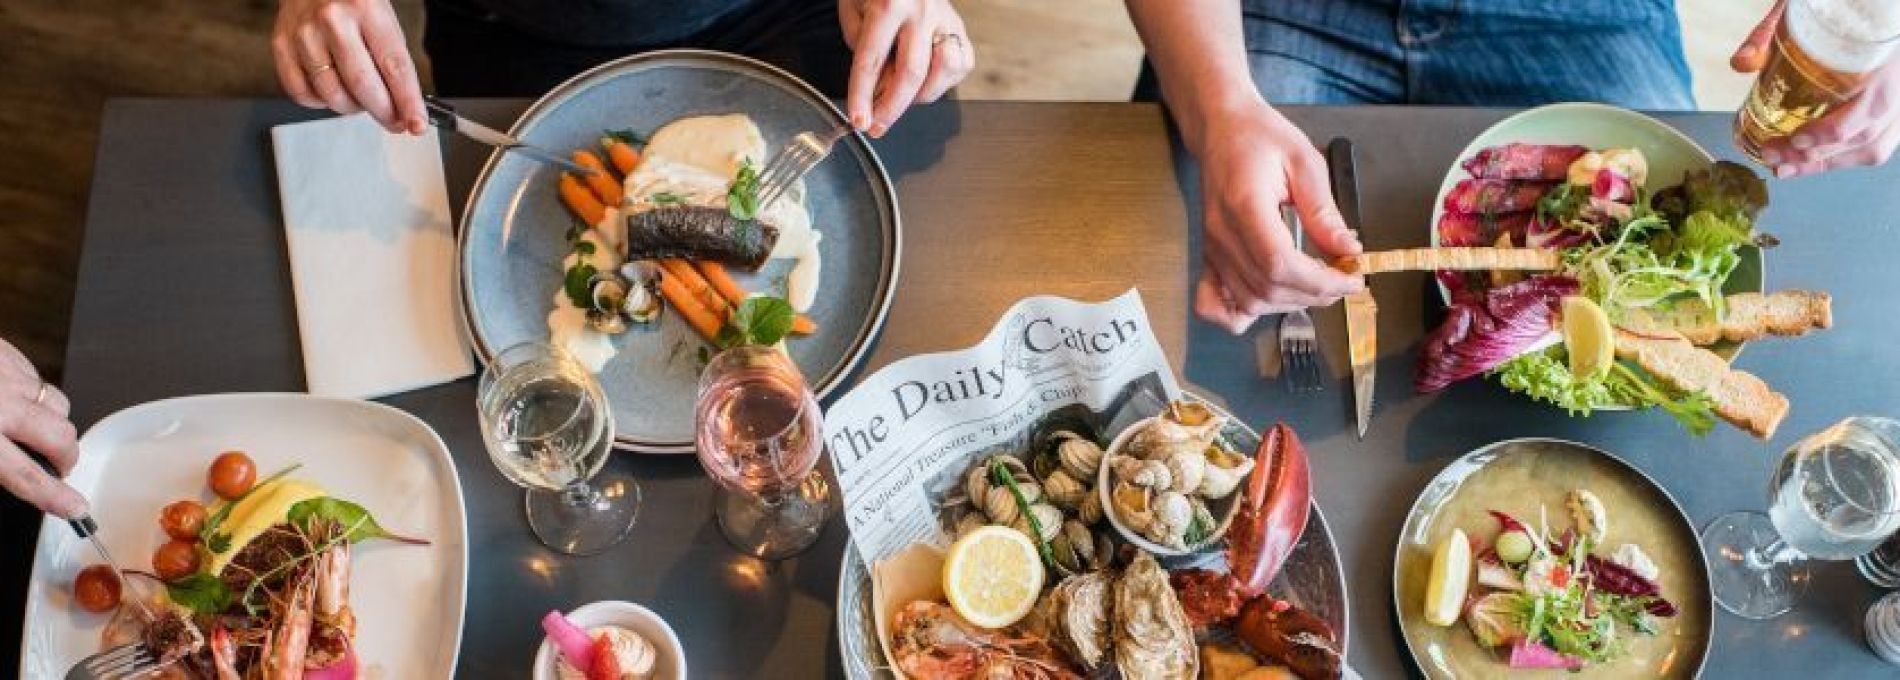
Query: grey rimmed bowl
(513, 230)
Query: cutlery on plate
(444, 116)
(1299, 341)
(1362, 312)
(798, 157)
(129, 660)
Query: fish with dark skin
(700, 233)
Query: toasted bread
(1463, 259)
(1739, 397)
(1750, 316)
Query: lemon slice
(993, 576)
(1588, 337)
(1451, 574)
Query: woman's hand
(1863, 131)
(1253, 161)
(348, 56)
(33, 420)
(904, 52)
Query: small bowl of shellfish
(1168, 483)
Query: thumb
(1319, 214)
(1753, 52)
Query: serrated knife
(1362, 312)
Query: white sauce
(567, 324)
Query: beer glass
(1824, 52)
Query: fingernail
(74, 506)
(1784, 171)
(1802, 141)
(1746, 51)
(879, 130)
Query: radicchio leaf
(1617, 579)
(1483, 330)
(1507, 522)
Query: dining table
(184, 288)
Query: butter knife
(1362, 312)
(444, 116)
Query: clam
(976, 484)
(970, 521)
(1063, 490)
(1132, 506)
(1224, 470)
(1001, 507)
(1080, 457)
(1074, 548)
(1089, 511)
(1048, 521)
(1184, 427)
(1152, 474)
(1186, 471)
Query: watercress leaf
(764, 319)
(584, 247)
(576, 285)
(200, 592)
(356, 521)
(742, 196)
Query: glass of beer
(1824, 53)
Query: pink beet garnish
(343, 669)
(1527, 654)
(570, 640)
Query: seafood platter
(670, 248)
(1545, 558)
(261, 536)
(1171, 543)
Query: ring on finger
(40, 399)
(955, 39)
(320, 69)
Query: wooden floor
(61, 59)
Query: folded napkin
(372, 257)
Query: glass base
(587, 521)
(1748, 578)
(778, 527)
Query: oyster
(1048, 520)
(1186, 471)
(1132, 506)
(1152, 474)
(1173, 513)
(1186, 427)
(1089, 511)
(1078, 616)
(1152, 637)
(1064, 491)
(1587, 511)
(1080, 457)
(1225, 468)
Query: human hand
(1863, 131)
(33, 417)
(904, 52)
(348, 56)
(1252, 162)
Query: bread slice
(1750, 316)
(1463, 259)
(1739, 397)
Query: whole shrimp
(288, 643)
(934, 643)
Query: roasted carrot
(621, 154)
(690, 309)
(729, 289)
(601, 180)
(697, 285)
(580, 200)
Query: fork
(1299, 342)
(798, 157)
(129, 660)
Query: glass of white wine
(546, 424)
(1834, 496)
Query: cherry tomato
(175, 560)
(232, 474)
(96, 589)
(183, 520)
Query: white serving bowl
(671, 664)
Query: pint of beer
(1824, 52)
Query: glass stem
(580, 494)
(1765, 558)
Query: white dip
(635, 656)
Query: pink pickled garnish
(343, 669)
(570, 640)
(1527, 654)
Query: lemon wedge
(1588, 337)
(993, 576)
(1451, 575)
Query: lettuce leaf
(1546, 377)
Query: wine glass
(759, 434)
(1834, 496)
(547, 426)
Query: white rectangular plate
(409, 600)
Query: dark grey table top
(184, 289)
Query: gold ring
(40, 399)
(943, 37)
(320, 69)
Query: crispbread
(1750, 316)
(1463, 259)
(1739, 397)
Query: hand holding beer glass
(1828, 93)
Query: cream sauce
(567, 324)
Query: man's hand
(1252, 162)
(1863, 131)
(904, 52)
(33, 418)
(348, 56)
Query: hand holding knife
(1362, 325)
(86, 528)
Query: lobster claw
(1273, 513)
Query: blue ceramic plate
(513, 230)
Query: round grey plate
(1312, 578)
(513, 231)
(1510, 476)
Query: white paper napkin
(372, 257)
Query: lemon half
(1588, 337)
(993, 576)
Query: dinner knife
(444, 116)
(89, 530)
(1362, 323)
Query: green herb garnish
(360, 525)
(200, 592)
(999, 473)
(624, 135)
(667, 198)
(760, 320)
(577, 285)
(742, 197)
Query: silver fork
(792, 162)
(1299, 342)
(129, 660)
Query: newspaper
(902, 440)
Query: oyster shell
(1064, 491)
(1225, 468)
(1079, 616)
(1186, 471)
(1048, 519)
(1152, 474)
(1152, 637)
(1185, 427)
(1089, 511)
(1132, 506)
(1080, 457)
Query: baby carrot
(689, 308)
(601, 180)
(729, 289)
(621, 154)
(696, 284)
(581, 201)
(803, 325)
